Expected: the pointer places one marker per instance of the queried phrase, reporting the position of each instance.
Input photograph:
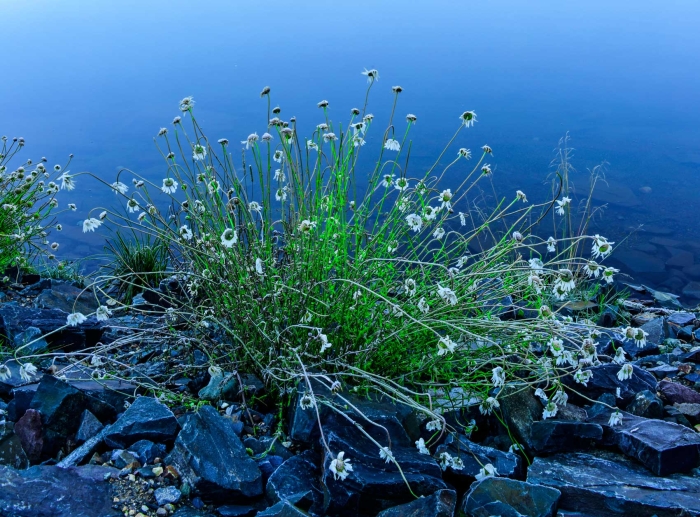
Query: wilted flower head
(252, 138)
(488, 405)
(372, 75)
(102, 313)
(186, 104)
(119, 187)
(464, 153)
(91, 224)
(447, 295)
(75, 319)
(323, 104)
(411, 118)
(392, 145)
(27, 371)
(468, 118)
(519, 194)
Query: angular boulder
(509, 496)
(474, 456)
(605, 380)
(564, 436)
(439, 504)
(145, 419)
(678, 394)
(609, 485)
(210, 457)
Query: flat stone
(223, 386)
(664, 370)
(30, 433)
(282, 509)
(680, 258)
(678, 393)
(211, 458)
(15, 380)
(439, 504)
(526, 499)
(237, 510)
(11, 452)
(662, 447)
(474, 456)
(67, 298)
(562, 436)
(145, 419)
(609, 485)
(681, 319)
(29, 342)
(691, 411)
(520, 409)
(56, 492)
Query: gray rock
(692, 290)
(67, 298)
(604, 380)
(21, 400)
(167, 495)
(235, 510)
(662, 447)
(520, 408)
(52, 491)
(147, 451)
(564, 436)
(89, 427)
(11, 452)
(145, 419)
(30, 342)
(211, 458)
(30, 432)
(474, 456)
(282, 509)
(527, 499)
(297, 481)
(681, 319)
(663, 371)
(89, 447)
(439, 504)
(647, 405)
(15, 380)
(691, 411)
(609, 485)
(677, 393)
(223, 386)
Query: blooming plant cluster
(299, 261)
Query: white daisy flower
(279, 175)
(620, 356)
(592, 269)
(625, 372)
(401, 184)
(415, 222)
(488, 405)
(229, 238)
(75, 319)
(252, 138)
(5, 372)
(423, 306)
(551, 245)
(439, 233)
(119, 187)
(447, 295)
(498, 378)
(27, 371)
(392, 145)
(539, 392)
(185, 233)
(608, 273)
(445, 198)
(487, 471)
(462, 219)
(464, 153)
(536, 264)
(601, 247)
(468, 118)
(582, 377)
(430, 213)
(169, 186)
(67, 182)
(519, 194)
(132, 206)
(91, 224)
(433, 425)
(278, 156)
(550, 410)
(386, 454)
(445, 345)
(562, 204)
(372, 75)
(186, 104)
(102, 313)
(410, 286)
(340, 467)
(615, 419)
(560, 398)
(422, 449)
(199, 152)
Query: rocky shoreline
(73, 445)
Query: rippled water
(99, 79)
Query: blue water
(98, 79)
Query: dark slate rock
(283, 509)
(211, 458)
(37, 287)
(303, 423)
(297, 481)
(236, 510)
(67, 298)
(15, 380)
(121, 458)
(677, 393)
(11, 452)
(21, 401)
(61, 407)
(681, 319)
(564, 436)
(145, 419)
(29, 342)
(167, 495)
(89, 447)
(690, 411)
(374, 484)
(15, 319)
(663, 371)
(439, 504)
(147, 451)
(89, 427)
(474, 456)
(267, 445)
(647, 405)
(186, 511)
(604, 380)
(30, 432)
(609, 485)
(662, 447)
(686, 333)
(52, 491)
(112, 392)
(520, 408)
(526, 499)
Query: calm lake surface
(98, 79)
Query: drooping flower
(464, 153)
(620, 356)
(625, 372)
(601, 248)
(229, 237)
(423, 306)
(75, 319)
(410, 286)
(446, 198)
(386, 454)
(119, 187)
(447, 295)
(329, 137)
(487, 471)
(592, 269)
(5, 372)
(267, 137)
(252, 138)
(444, 459)
(340, 467)
(550, 410)
(433, 425)
(132, 206)
(519, 194)
(439, 233)
(420, 445)
(583, 376)
(468, 118)
(462, 219)
(498, 378)
(539, 392)
(560, 398)
(388, 180)
(102, 313)
(169, 186)
(615, 418)
(556, 346)
(27, 371)
(281, 194)
(565, 280)
(67, 182)
(392, 145)
(91, 224)
(562, 204)
(411, 118)
(488, 405)
(638, 335)
(186, 104)
(551, 245)
(445, 345)
(401, 184)
(486, 169)
(185, 233)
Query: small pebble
(161, 512)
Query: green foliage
(136, 264)
(26, 204)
